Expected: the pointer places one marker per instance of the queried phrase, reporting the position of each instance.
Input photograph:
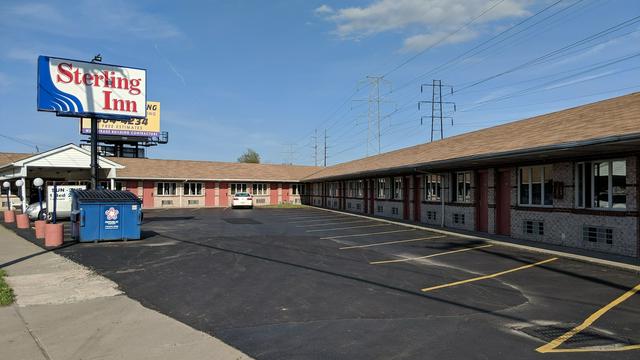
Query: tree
(250, 156)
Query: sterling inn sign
(85, 89)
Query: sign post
(94, 154)
(88, 89)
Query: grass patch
(284, 206)
(6, 294)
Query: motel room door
(503, 202)
(482, 209)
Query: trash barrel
(104, 215)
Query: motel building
(567, 178)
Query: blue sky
(265, 75)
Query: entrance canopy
(65, 163)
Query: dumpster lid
(108, 196)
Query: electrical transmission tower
(289, 153)
(437, 107)
(325, 147)
(315, 147)
(375, 101)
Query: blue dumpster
(100, 215)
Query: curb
(582, 258)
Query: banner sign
(80, 88)
(147, 127)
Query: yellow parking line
(391, 242)
(552, 345)
(349, 227)
(335, 223)
(484, 277)
(428, 256)
(356, 235)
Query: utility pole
(325, 147)
(437, 106)
(374, 115)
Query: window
(382, 188)
(236, 188)
(535, 186)
(260, 189)
(431, 215)
(297, 189)
(432, 187)
(397, 188)
(458, 218)
(394, 211)
(601, 184)
(533, 227)
(463, 186)
(379, 209)
(358, 206)
(192, 188)
(166, 188)
(354, 188)
(193, 202)
(597, 234)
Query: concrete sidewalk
(65, 311)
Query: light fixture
(6, 184)
(38, 182)
(19, 183)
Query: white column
(113, 184)
(23, 191)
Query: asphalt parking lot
(311, 284)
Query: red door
(503, 203)
(223, 196)
(417, 201)
(405, 198)
(482, 209)
(147, 194)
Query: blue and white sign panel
(85, 89)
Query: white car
(242, 199)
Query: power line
(444, 38)
(555, 52)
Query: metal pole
(94, 153)
(40, 202)
(23, 193)
(55, 201)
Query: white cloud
(423, 19)
(323, 10)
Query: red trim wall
(285, 192)
(273, 194)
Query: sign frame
(44, 60)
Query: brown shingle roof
(613, 117)
(209, 170)
(8, 158)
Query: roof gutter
(501, 155)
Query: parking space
(308, 283)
